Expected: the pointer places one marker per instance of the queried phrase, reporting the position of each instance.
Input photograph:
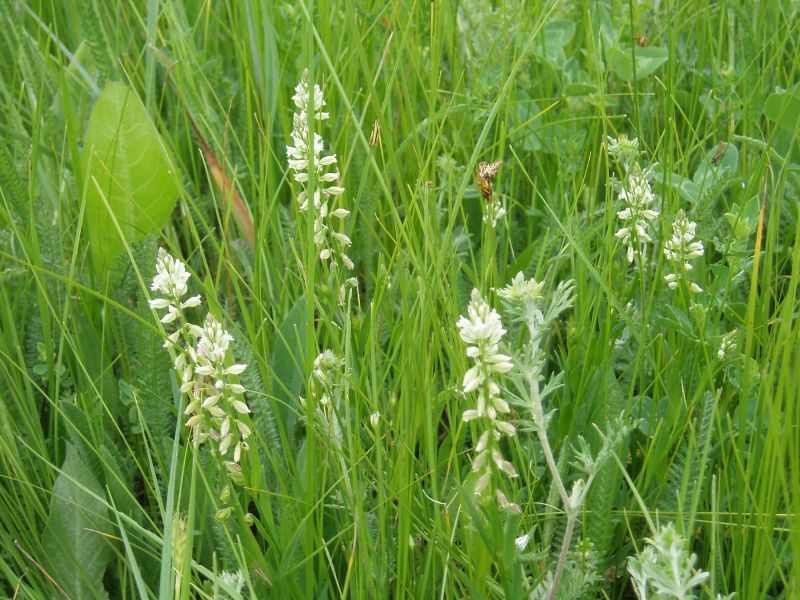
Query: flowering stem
(183, 592)
(309, 248)
(491, 442)
(489, 250)
(538, 417)
(562, 557)
(551, 464)
(165, 576)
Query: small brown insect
(375, 134)
(719, 153)
(485, 178)
(641, 41)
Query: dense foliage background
(101, 492)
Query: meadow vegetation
(427, 299)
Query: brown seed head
(485, 178)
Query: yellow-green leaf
(129, 176)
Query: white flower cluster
(727, 345)
(303, 155)
(326, 366)
(323, 389)
(637, 196)
(624, 150)
(495, 211)
(482, 330)
(233, 581)
(216, 404)
(681, 249)
(171, 280)
(524, 297)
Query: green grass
(96, 466)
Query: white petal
(240, 407)
(192, 302)
(505, 427)
(469, 415)
(158, 303)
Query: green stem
(488, 254)
(165, 577)
(538, 418)
(186, 567)
(562, 557)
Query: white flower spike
(681, 249)
(483, 331)
(215, 403)
(637, 196)
(301, 155)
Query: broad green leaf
(744, 219)
(680, 320)
(718, 163)
(287, 362)
(646, 61)
(649, 414)
(525, 113)
(523, 259)
(560, 139)
(576, 80)
(555, 36)
(558, 34)
(77, 552)
(79, 429)
(126, 166)
(577, 89)
(603, 26)
(687, 188)
(77, 84)
(784, 109)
